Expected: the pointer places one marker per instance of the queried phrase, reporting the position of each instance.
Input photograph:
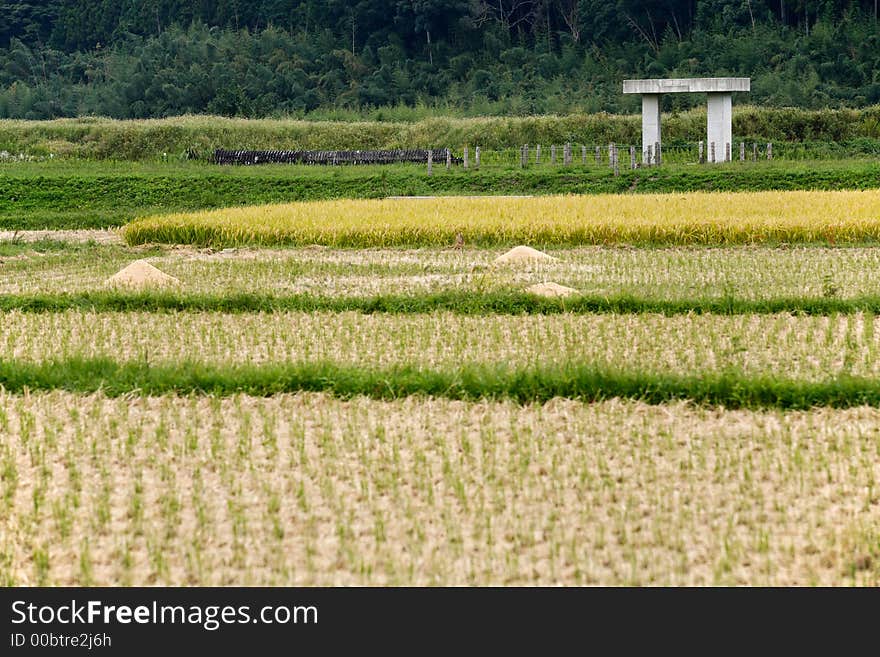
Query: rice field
(675, 273)
(702, 411)
(795, 217)
(807, 348)
(311, 490)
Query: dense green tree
(141, 58)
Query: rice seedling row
(805, 348)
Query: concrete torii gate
(718, 115)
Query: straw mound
(551, 290)
(141, 273)
(522, 254)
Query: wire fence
(613, 156)
(634, 156)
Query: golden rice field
(687, 218)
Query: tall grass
(147, 139)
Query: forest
(407, 59)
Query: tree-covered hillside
(148, 58)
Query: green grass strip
(460, 302)
(475, 381)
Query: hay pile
(522, 254)
(141, 274)
(551, 290)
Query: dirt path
(99, 236)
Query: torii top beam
(686, 85)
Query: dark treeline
(152, 58)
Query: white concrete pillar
(650, 123)
(719, 123)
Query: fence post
(553, 154)
(658, 160)
(754, 151)
(568, 154)
(770, 150)
(583, 154)
(616, 167)
(598, 155)
(742, 151)
(701, 152)
(448, 159)
(650, 153)
(465, 158)
(632, 157)
(611, 155)
(538, 154)
(477, 157)
(430, 161)
(712, 152)
(727, 152)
